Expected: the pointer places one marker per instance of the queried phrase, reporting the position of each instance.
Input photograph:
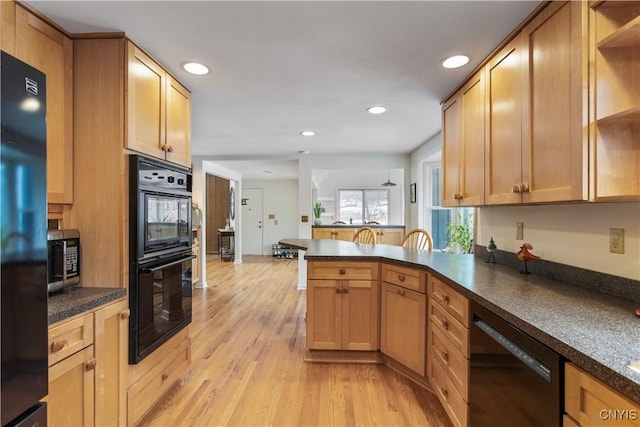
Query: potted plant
(317, 211)
(460, 235)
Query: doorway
(251, 222)
(217, 209)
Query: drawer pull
(164, 377)
(338, 290)
(342, 271)
(401, 277)
(444, 324)
(401, 291)
(446, 299)
(125, 314)
(90, 365)
(345, 290)
(56, 346)
(170, 149)
(515, 188)
(445, 356)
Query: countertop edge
(80, 300)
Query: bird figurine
(491, 248)
(524, 255)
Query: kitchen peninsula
(594, 331)
(388, 234)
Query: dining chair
(373, 222)
(338, 222)
(365, 235)
(418, 238)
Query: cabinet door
(344, 234)
(555, 101)
(70, 400)
(146, 89)
(8, 27)
(111, 326)
(359, 315)
(451, 142)
(472, 148)
(45, 48)
(178, 123)
(403, 326)
(323, 233)
(503, 163)
(324, 313)
(390, 236)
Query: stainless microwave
(63, 264)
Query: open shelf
(631, 116)
(626, 36)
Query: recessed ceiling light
(303, 152)
(455, 61)
(270, 172)
(377, 109)
(307, 133)
(195, 68)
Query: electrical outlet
(616, 240)
(519, 231)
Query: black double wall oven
(160, 253)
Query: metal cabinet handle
(56, 346)
(515, 188)
(445, 356)
(445, 299)
(400, 291)
(401, 277)
(524, 188)
(444, 324)
(338, 290)
(125, 314)
(90, 365)
(342, 271)
(164, 377)
(170, 149)
(345, 290)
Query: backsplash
(622, 287)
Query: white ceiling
(285, 66)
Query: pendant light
(388, 183)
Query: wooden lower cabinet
(403, 326)
(389, 236)
(337, 233)
(70, 401)
(156, 374)
(87, 368)
(588, 402)
(342, 306)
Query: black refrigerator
(23, 244)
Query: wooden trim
(343, 356)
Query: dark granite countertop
(596, 331)
(76, 300)
(356, 226)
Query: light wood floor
(248, 338)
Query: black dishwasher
(514, 380)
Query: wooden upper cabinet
(555, 105)
(451, 143)
(503, 155)
(178, 127)
(158, 110)
(146, 81)
(47, 49)
(473, 136)
(8, 27)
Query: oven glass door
(166, 221)
(162, 301)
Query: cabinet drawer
(69, 337)
(342, 270)
(452, 301)
(455, 332)
(593, 403)
(405, 277)
(451, 400)
(455, 365)
(143, 395)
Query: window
(437, 219)
(361, 206)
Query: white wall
(279, 198)
(418, 156)
(576, 235)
